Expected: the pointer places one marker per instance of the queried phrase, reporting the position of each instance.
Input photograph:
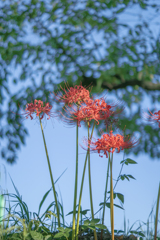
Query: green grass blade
(15, 187)
(60, 176)
(43, 199)
(25, 214)
(2, 203)
(51, 204)
(157, 209)
(125, 231)
(62, 211)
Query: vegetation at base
(21, 224)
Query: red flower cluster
(76, 94)
(83, 108)
(109, 143)
(96, 110)
(153, 117)
(38, 107)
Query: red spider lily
(96, 110)
(78, 114)
(153, 117)
(109, 143)
(76, 94)
(39, 108)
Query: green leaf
(47, 216)
(84, 226)
(118, 206)
(86, 222)
(48, 237)
(122, 161)
(101, 226)
(141, 234)
(58, 235)
(121, 197)
(61, 229)
(92, 227)
(16, 236)
(49, 213)
(94, 221)
(130, 176)
(102, 203)
(64, 230)
(67, 230)
(108, 205)
(114, 195)
(36, 235)
(130, 161)
(124, 176)
(84, 212)
(66, 234)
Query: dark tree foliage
(115, 45)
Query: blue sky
(31, 175)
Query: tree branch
(143, 84)
(146, 85)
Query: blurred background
(115, 46)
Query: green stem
(156, 220)
(75, 189)
(90, 186)
(105, 195)
(118, 178)
(50, 171)
(111, 198)
(81, 189)
(2, 206)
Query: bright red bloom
(96, 110)
(109, 143)
(39, 108)
(106, 110)
(76, 94)
(153, 117)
